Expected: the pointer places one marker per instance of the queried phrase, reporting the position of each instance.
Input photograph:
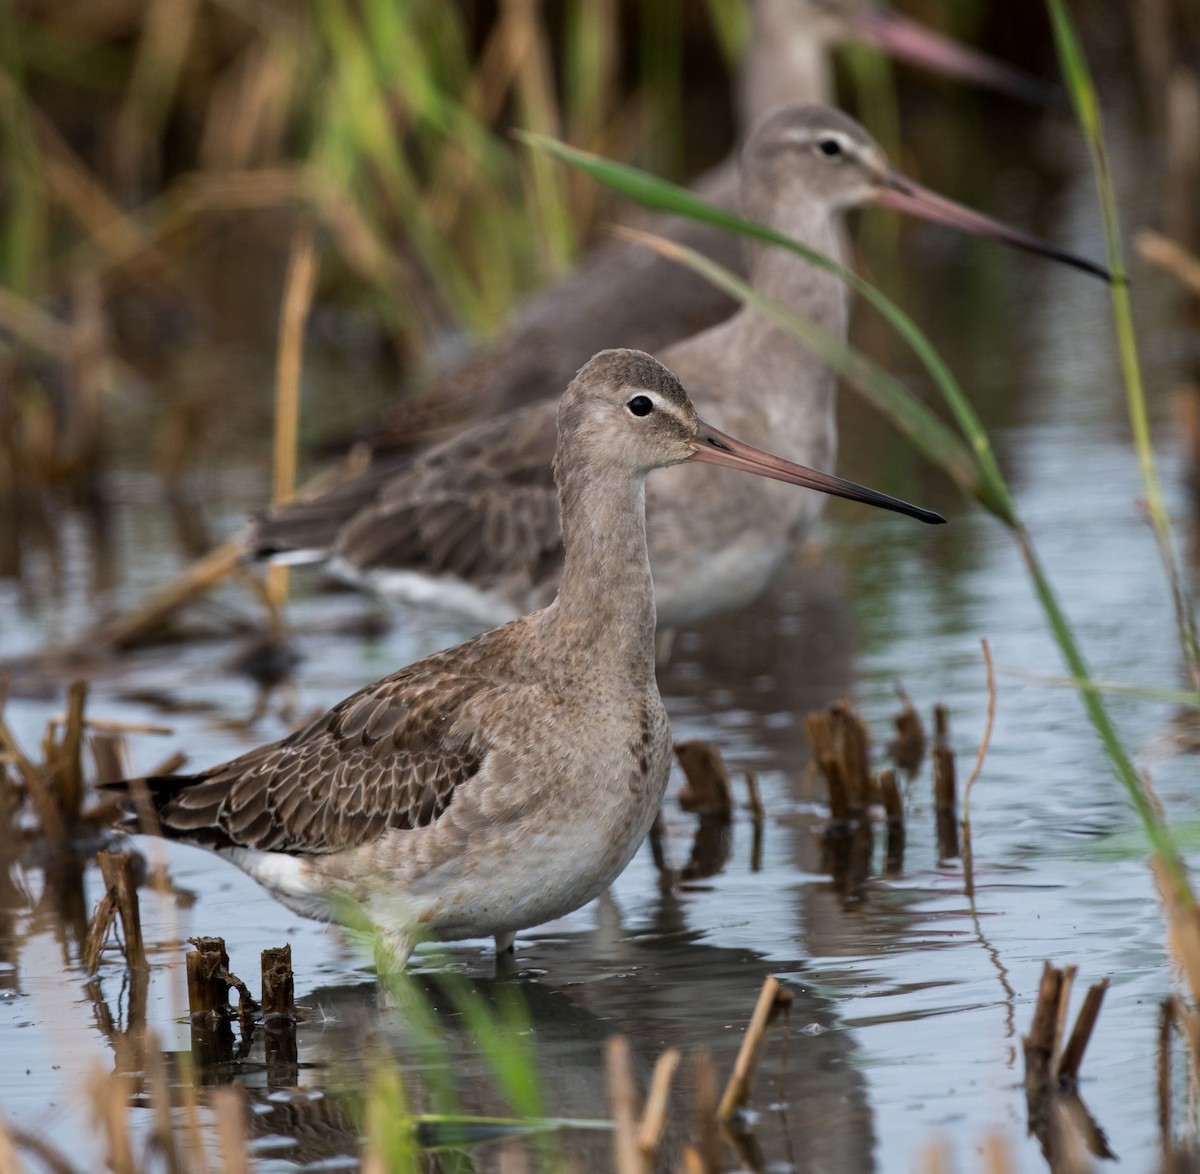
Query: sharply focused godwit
(471, 525)
(507, 781)
(620, 293)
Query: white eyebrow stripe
(804, 138)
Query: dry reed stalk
(293, 315)
(986, 741)
(1152, 42)
(692, 1162)
(654, 1115)
(1071, 1059)
(202, 576)
(278, 984)
(708, 1142)
(757, 821)
(1182, 122)
(160, 1101)
(79, 452)
(753, 798)
(117, 870)
(75, 188)
(1183, 938)
(207, 970)
(248, 108)
(1066, 985)
(10, 1159)
(110, 759)
(941, 722)
(623, 1097)
(598, 36)
(997, 1155)
(229, 1110)
(158, 63)
(841, 806)
(839, 742)
(1166, 1022)
(936, 1157)
(109, 1092)
(772, 999)
(534, 78)
(33, 327)
(68, 771)
(893, 806)
(37, 781)
(110, 726)
(1039, 1043)
(456, 168)
(365, 251)
(945, 790)
(169, 765)
(1056, 1114)
(1170, 256)
(907, 748)
(175, 213)
(99, 925)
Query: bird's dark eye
(830, 147)
(641, 405)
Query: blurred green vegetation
(387, 120)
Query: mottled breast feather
(386, 758)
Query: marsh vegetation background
(165, 168)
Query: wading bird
(471, 525)
(509, 780)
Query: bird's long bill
(718, 448)
(902, 194)
(906, 40)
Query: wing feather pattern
(392, 756)
(482, 506)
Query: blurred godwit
(471, 525)
(509, 780)
(623, 294)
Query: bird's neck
(786, 61)
(791, 405)
(605, 605)
(789, 279)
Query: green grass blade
(1087, 107)
(1157, 831)
(1183, 697)
(730, 20)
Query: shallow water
(909, 1004)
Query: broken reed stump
(278, 983)
(120, 901)
(945, 797)
(755, 807)
(774, 999)
(706, 793)
(707, 790)
(279, 1018)
(907, 748)
(53, 787)
(893, 806)
(1057, 1115)
(207, 978)
(636, 1140)
(841, 749)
